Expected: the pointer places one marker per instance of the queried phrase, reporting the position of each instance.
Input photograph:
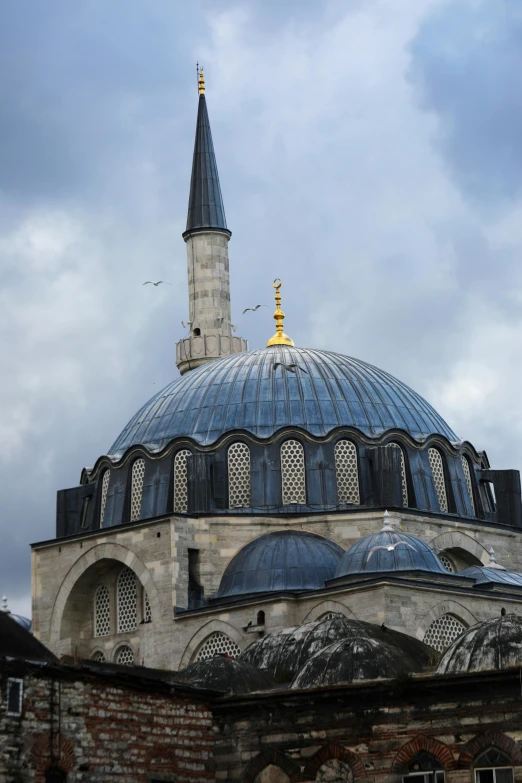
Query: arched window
(437, 470)
(102, 611)
(404, 482)
(447, 562)
(55, 775)
(127, 601)
(346, 472)
(125, 655)
(443, 631)
(215, 644)
(467, 476)
(138, 474)
(104, 491)
(493, 766)
(98, 656)
(293, 472)
(238, 476)
(425, 768)
(147, 611)
(180, 482)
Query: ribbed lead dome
(252, 391)
(492, 644)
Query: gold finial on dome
(279, 338)
(201, 82)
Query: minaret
(207, 239)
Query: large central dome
(252, 391)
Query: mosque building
(265, 491)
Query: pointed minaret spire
(207, 238)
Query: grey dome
(389, 551)
(283, 653)
(284, 560)
(349, 660)
(492, 644)
(247, 391)
(221, 673)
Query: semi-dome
(349, 660)
(222, 673)
(253, 391)
(284, 560)
(492, 644)
(389, 551)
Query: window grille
(138, 474)
(102, 612)
(215, 644)
(147, 611)
(346, 472)
(125, 656)
(238, 476)
(446, 562)
(326, 616)
(493, 766)
(98, 656)
(443, 631)
(293, 472)
(467, 476)
(105, 489)
(437, 470)
(180, 482)
(404, 482)
(127, 601)
(15, 689)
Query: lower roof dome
(253, 391)
(280, 561)
(222, 673)
(492, 644)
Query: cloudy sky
(370, 155)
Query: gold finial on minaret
(279, 338)
(201, 82)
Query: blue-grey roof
(484, 575)
(205, 209)
(389, 551)
(248, 391)
(284, 560)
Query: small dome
(349, 660)
(389, 551)
(493, 644)
(284, 560)
(221, 673)
(283, 653)
(23, 621)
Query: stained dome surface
(252, 391)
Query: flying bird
(388, 548)
(253, 308)
(157, 283)
(290, 367)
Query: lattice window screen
(180, 481)
(446, 562)
(102, 612)
(105, 489)
(216, 643)
(346, 472)
(238, 476)
(404, 482)
(467, 476)
(293, 472)
(147, 611)
(127, 601)
(125, 656)
(98, 656)
(443, 631)
(437, 469)
(138, 474)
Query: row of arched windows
(131, 601)
(293, 477)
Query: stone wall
(104, 728)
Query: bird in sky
(253, 308)
(388, 548)
(290, 367)
(157, 283)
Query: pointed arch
(265, 759)
(421, 743)
(487, 740)
(329, 752)
(204, 632)
(324, 607)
